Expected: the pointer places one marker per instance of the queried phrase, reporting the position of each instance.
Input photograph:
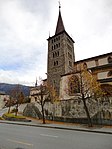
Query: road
(27, 137)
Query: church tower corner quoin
(61, 55)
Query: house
(3, 99)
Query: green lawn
(11, 115)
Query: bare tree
(41, 97)
(9, 103)
(18, 96)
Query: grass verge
(11, 115)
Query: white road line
(20, 142)
(46, 135)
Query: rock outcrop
(32, 111)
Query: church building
(61, 60)
(61, 64)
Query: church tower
(60, 54)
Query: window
(56, 45)
(96, 62)
(109, 74)
(69, 48)
(55, 63)
(109, 59)
(85, 66)
(74, 86)
(69, 55)
(70, 63)
(56, 54)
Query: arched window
(85, 66)
(109, 59)
(74, 86)
(109, 74)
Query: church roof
(60, 29)
(60, 26)
(93, 58)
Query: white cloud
(25, 25)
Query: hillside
(4, 87)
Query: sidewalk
(65, 126)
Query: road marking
(46, 135)
(15, 141)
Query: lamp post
(52, 97)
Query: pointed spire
(60, 25)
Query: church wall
(91, 64)
(102, 75)
(64, 88)
(103, 61)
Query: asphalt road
(27, 137)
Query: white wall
(102, 75)
(2, 103)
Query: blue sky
(25, 26)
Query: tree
(9, 103)
(18, 96)
(88, 88)
(44, 93)
(53, 97)
(41, 96)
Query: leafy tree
(44, 93)
(88, 88)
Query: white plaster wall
(102, 75)
(2, 103)
(91, 64)
(32, 99)
(103, 61)
(33, 91)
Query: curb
(57, 127)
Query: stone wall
(75, 108)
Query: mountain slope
(4, 87)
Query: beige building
(100, 66)
(3, 99)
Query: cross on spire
(59, 4)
